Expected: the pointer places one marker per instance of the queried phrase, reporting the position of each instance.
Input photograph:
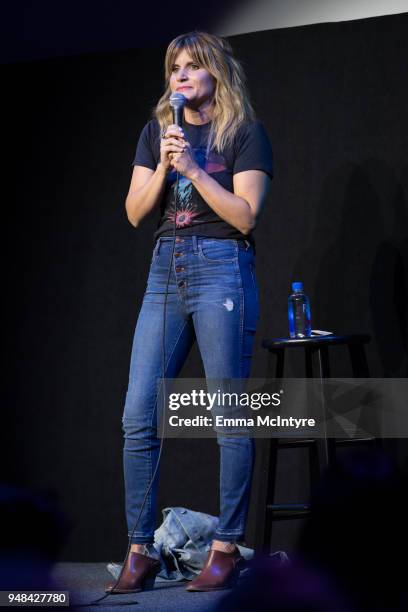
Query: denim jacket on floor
(182, 542)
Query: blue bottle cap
(297, 286)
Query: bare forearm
(230, 207)
(139, 203)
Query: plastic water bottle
(299, 312)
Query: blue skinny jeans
(213, 299)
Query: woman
(224, 162)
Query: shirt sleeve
(253, 149)
(146, 150)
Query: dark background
(333, 98)
(31, 30)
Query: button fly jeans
(212, 299)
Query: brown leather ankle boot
(221, 571)
(138, 574)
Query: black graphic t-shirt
(251, 150)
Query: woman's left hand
(184, 162)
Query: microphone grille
(177, 100)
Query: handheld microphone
(177, 102)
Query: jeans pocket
(222, 250)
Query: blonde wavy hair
(231, 99)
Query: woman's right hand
(172, 141)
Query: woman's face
(190, 79)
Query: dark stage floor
(85, 583)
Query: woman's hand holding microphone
(176, 152)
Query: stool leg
(269, 451)
(273, 452)
(324, 365)
(326, 447)
(268, 460)
(319, 452)
(317, 360)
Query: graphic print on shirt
(187, 209)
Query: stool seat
(276, 343)
(316, 350)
